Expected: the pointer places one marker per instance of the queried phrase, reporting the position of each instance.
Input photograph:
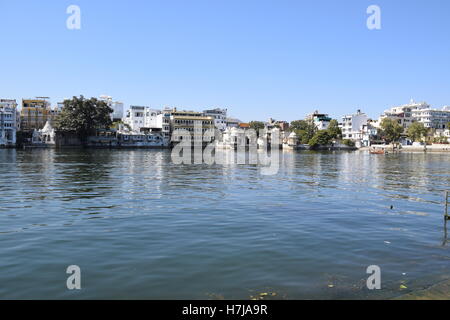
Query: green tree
(391, 130)
(305, 130)
(416, 131)
(321, 138)
(84, 116)
(348, 142)
(333, 129)
(257, 125)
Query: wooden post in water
(446, 206)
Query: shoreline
(437, 291)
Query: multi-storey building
(195, 123)
(320, 120)
(403, 114)
(144, 119)
(352, 126)
(220, 117)
(406, 114)
(35, 113)
(8, 122)
(116, 106)
(432, 118)
(233, 122)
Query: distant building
(45, 136)
(116, 106)
(187, 120)
(144, 119)
(35, 113)
(232, 122)
(9, 122)
(421, 112)
(432, 118)
(272, 123)
(353, 125)
(219, 116)
(320, 120)
(403, 114)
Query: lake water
(140, 227)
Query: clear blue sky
(261, 59)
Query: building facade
(9, 122)
(35, 113)
(144, 119)
(233, 122)
(116, 106)
(403, 114)
(320, 120)
(432, 118)
(199, 127)
(219, 116)
(352, 126)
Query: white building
(320, 120)
(432, 118)
(403, 114)
(220, 117)
(233, 122)
(144, 119)
(117, 107)
(406, 114)
(352, 126)
(44, 136)
(9, 122)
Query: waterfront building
(352, 126)
(320, 120)
(432, 118)
(421, 112)
(187, 120)
(403, 114)
(369, 133)
(35, 113)
(219, 116)
(144, 119)
(233, 122)
(45, 136)
(116, 106)
(442, 133)
(127, 138)
(9, 121)
(272, 123)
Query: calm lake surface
(141, 227)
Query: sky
(281, 59)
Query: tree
(257, 125)
(333, 129)
(305, 130)
(84, 116)
(416, 131)
(391, 130)
(321, 138)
